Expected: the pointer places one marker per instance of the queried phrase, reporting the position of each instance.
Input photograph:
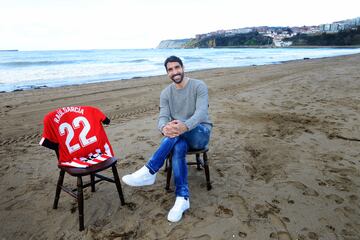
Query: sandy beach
(284, 158)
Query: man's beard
(178, 81)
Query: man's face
(175, 72)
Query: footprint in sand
(261, 211)
(321, 183)
(280, 235)
(242, 234)
(158, 218)
(313, 236)
(115, 235)
(280, 227)
(264, 211)
(237, 205)
(131, 206)
(11, 189)
(223, 212)
(152, 143)
(135, 157)
(102, 222)
(307, 191)
(353, 199)
(221, 174)
(125, 165)
(178, 232)
(142, 138)
(286, 219)
(350, 231)
(335, 198)
(8, 108)
(330, 228)
(202, 237)
(341, 184)
(270, 211)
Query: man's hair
(173, 59)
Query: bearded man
(185, 124)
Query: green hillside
(238, 40)
(342, 38)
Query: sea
(24, 70)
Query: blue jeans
(197, 138)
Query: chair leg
(169, 171)
(166, 164)
(207, 172)
(198, 161)
(92, 180)
(118, 184)
(58, 188)
(80, 198)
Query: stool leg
(80, 198)
(118, 184)
(198, 161)
(166, 164)
(207, 172)
(58, 188)
(92, 180)
(169, 171)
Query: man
(185, 124)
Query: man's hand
(174, 129)
(180, 126)
(169, 130)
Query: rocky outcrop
(177, 43)
(251, 39)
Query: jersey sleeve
(100, 115)
(49, 138)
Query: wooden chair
(92, 171)
(76, 133)
(199, 163)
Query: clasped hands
(174, 128)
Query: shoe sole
(136, 185)
(180, 217)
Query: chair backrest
(78, 133)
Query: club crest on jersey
(62, 111)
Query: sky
(123, 24)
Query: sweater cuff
(189, 125)
(161, 127)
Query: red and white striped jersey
(80, 136)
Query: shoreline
(284, 158)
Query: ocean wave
(130, 61)
(195, 58)
(244, 58)
(36, 63)
(139, 60)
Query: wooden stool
(199, 163)
(77, 193)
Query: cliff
(236, 40)
(177, 43)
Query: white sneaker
(180, 206)
(141, 177)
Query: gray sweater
(189, 104)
